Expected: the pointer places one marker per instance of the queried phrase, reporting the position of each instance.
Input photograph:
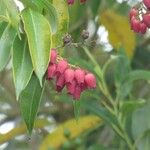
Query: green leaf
(3, 25)
(122, 67)
(141, 121)
(128, 107)
(101, 112)
(141, 126)
(144, 143)
(2, 8)
(63, 21)
(51, 15)
(22, 65)
(12, 12)
(137, 75)
(38, 33)
(6, 41)
(45, 7)
(29, 101)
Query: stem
(120, 130)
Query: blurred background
(108, 24)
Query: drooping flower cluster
(71, 2)
(76, 80)
(140, 17)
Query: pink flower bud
(147, 3)
(90, 80)
(79, 76)
(146, 19)
(61, 67)
(143, 27)
(51, 71)
(69, 75)
(135, 25)
(53, 56)
(83, 86)
(70, 2)
(60, 83)
(71, 87)
(77, 92)
(133, 13)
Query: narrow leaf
(29, 102)
(6, 41)
(22, 65)
(57, 138)
(38, 33)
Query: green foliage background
(113, 116)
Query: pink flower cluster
(76, 80)
(139, 19)
(71, 2)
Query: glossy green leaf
(63, 21)
(6, 41)
(29, 101)
(38, 33)
(22, 65)
(12, 12)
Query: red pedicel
(82, 1)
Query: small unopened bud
(67, 39)
(85, 34)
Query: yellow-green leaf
(119, 30)
(57, 138)
(63, 21)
